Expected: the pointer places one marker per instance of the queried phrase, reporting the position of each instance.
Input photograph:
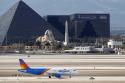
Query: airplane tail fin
(23, 65)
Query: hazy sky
(116, 8)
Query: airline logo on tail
(23, 65)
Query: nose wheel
(50, 76)
(70, 76)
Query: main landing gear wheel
(50, 77)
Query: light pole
(92, 79)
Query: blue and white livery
(43, 71)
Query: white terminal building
(114, 44)
(90, 49)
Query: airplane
(43, 71)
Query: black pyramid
(21, 24)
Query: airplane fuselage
(56, 72)
(49, 72)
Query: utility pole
(92, 79)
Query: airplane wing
(57, 75)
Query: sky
(116, 8)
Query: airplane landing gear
(70, 76)
(50, 77)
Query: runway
(102, 67)
(68, 80)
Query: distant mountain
(117, 32)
